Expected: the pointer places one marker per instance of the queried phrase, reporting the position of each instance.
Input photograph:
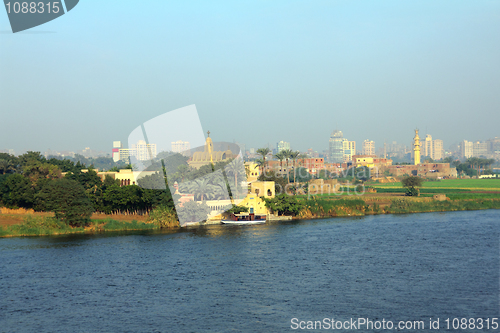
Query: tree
(284, 204)
(263, 152)
(260, 163)
(8, 164)
(192, 211)
(412, 184)
(201, 188)
(235, 168)
(473, 161)
(237, 209)
(288, 154)
(16, 191)
(294, 155)
(280, 156)
(279, 181)
(68, 200)
(302, 175)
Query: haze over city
(258, 73)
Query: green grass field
(466, 184)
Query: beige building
(144, 151)
(322, 186)
(479, 149)
(368, 148)
(141, 151)
(349, 149)
(466, 148)
(432, 148)
(437, 149)
(180, 146)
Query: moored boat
(241, 219)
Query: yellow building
(263, 189)
(209, 156)
(363, 160)
(253, 171)
(255, 204)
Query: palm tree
(263, 152)
(472, 161)
(220, 185)
(260, 163)
(235, 168)
(201, 188)
(280, 156)
(288, 154)
(294, 155)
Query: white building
(368, 148)
(180, 146)
(282, 145)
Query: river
(262, 278)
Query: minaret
(416, 148)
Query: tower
(416, 148)
(336, 146)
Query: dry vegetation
(16, 216)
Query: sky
(257, 71)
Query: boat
(242, 219)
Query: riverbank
(49, 226)
(320, 208)
(458, 195)
(42, 224)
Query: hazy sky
(257, 71)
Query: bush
(411, 184)
(284, 204)
(163, 217)
(412, 192)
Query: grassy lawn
(466, 184)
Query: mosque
(209, 156)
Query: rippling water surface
(255, 278)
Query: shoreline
(315, 209)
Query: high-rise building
(368, 147)
(437, 150)
(479, 148)
(349, 149)
(180, 146)
(426, 147)
(117, 145)
(466, 149)
(141, 151)
(282, 145)
(144, 151)
(494, 145)
(336, 147)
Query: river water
(257, 278)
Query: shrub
(163, 217)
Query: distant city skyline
(258, 74)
